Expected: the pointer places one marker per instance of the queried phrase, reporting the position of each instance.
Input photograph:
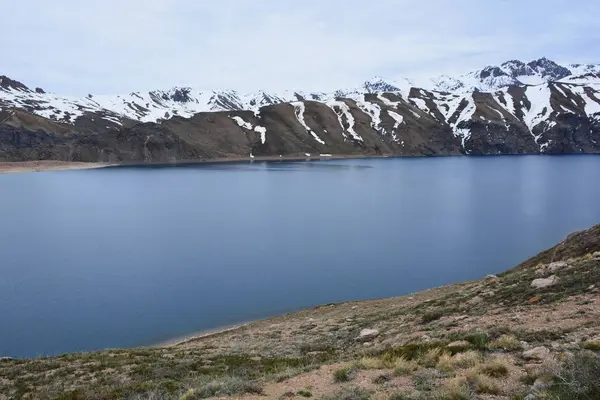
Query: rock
(534, 300)
(492, 277)
(5, 359)
(537, 353)
(460, 344)
(426, 338)
(475, 300)
(592, 287)
(539, 385)
(368, 344)
(354, 308)
(367, 335)
(544, 282)
(531, 396)
(558, 265)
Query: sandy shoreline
(201, 334)
(52, 165)
(46, 165)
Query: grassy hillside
(530, 333)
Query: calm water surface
(134, 256)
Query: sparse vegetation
(229, 386)
(426, 379)
(350, 394)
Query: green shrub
(344, 374)
(578, 377)
(304, 393)
(593, 345)
(431, 316)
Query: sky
(78, 47)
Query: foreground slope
(531, 331)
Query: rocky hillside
(516, 108)
(530, 333)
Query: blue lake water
(125, 257)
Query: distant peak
(7, 83)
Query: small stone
(459, 344)
(558, 265)
(537, 353)
(368, 344)
(592, 287)
(492, 277)
(354, 307)
(426, 338)
(367, 335)
(544, 282)
(539, 385)
(475, 300)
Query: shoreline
(14, 167)
(8, 167)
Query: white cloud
(113, 46)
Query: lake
(133, 256)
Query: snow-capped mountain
(158, 105)
(512, 73)
(517, 107)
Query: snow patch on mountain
(299, 109)
(343, 111)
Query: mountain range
(513, 108)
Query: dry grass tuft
(370, 363)
(402, 366)
(507, 342)
(467, 359)
(430, 358)
(497, 367)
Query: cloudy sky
(113, 46)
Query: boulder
(544, 282)
(537, 353)
(556, 266)
(367, 335)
